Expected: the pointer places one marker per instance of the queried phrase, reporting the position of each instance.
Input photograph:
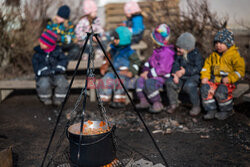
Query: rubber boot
(195, 111)
(143, 104)
(46, 102)
(117, 105)
(210, 115)
(223, 114)
(171, 109)
(156, 108)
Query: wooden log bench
(8, 86)
(139, 48)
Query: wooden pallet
(115, 14)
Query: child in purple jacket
(155, 71)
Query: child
(65, 32)
(84, 26)
(156, 70)
(126, 63)
(185, 74)
(222, 69)
(49, 65)
(134, 20)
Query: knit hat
(89, 6)
(49, 39)
(64, 12)
(225, 36)
(161, 34)
(186, 41)
(131, 7)
(124, 35)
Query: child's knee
(221, 93)
(204, 90)
(43, 83)
(190, 87)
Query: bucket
(97, 147)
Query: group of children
(175, 68)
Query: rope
(64, 101)
(130, 99)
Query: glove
(47, 73)
(59, 69)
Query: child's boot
(117, 105)
(156, 108)
(195, 110)
(143, 104)
(210, 115)
(171, 108)
(223, 114)
(47, 102)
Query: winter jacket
(136, 24)
(83, 27)
(160, 63)
(65, 31)
(229, 64)
(192, 65)
(46, 64)
(123, 58)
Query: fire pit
(97, 147)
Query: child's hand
(126, 73)
(102, 71)
(181, 72)
(176, 78)
(94, 39)
(204, 81)
(144, 75)
(225, 80)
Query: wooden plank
(115, 19)
(240, 90)
(4, 94)
(140, 46)
(6, 159)
(83, 64)
(110, 26)
(114, 12)
(246, 97)
(92, 95)
(31, 84)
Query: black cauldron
(95, 150)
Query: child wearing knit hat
(222, 69)
(155, 71)
(134, 21)
(88, 21)
(125, 61)
(49, 64)
(64, 29)
(185, 74)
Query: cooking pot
(97, 147)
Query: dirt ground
(26, 125)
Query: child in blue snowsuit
(126, 63)
(134, 20)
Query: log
(6, 159)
